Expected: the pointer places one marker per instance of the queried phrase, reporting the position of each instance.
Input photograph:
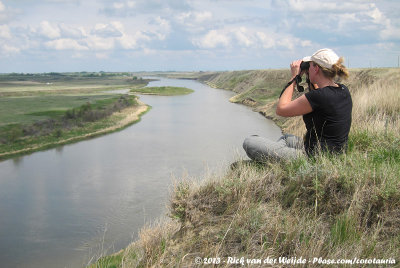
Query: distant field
(43, 110)
(26, 110)
(26, 98)
(163, 91)
(76, 83)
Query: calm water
(58, 206)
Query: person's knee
(292, 141)
(262, 149)
(251, 147)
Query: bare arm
(286, 107)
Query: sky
(193, 35)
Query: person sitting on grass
(326, 112)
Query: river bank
(115, 122)
(163, 91)
(326, 209)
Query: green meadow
(46, 108)
(29, 109)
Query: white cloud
(305, 43)
(159, 27)
(390, 32)
(99, 37)
(129, 8)
(65, 44)
(194, 17)
(71, 31)
(339, 17)
(281, 41)
(100, 43)
(131, 41)
(202, 16)
(213, 39)
(327, 6)
(265, 40)
(248, 37)
(9, 12)
(376, 15)
(244, 38)
(128, 42)
(7, 49)
(48, 30)
(108, 35)
(123, 5)
(5, 32)
(162, 22)
(107, 30)
(194, 21)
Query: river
(65, 206)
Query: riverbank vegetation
(40, 111)
(163, 91)
(322, 209)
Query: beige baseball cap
(324, 57)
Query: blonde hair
(338, 69)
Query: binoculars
(304, 65)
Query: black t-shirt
(328, 125)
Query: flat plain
(46, 108)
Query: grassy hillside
(315, 210)
(253, 87)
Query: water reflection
(59, 149)
(17, 161)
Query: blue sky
(193, 35)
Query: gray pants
(261, 149)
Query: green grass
(26, 110)
(163, 91)
(113, 261)
(57, 136)
(26, 98)
(330, 207)
(45, 108)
